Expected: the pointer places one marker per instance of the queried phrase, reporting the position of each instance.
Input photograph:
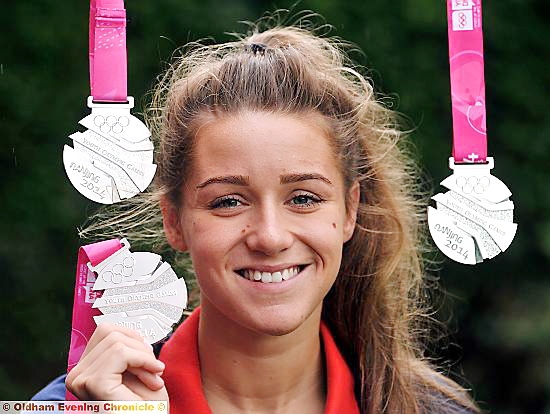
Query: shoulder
(54, 391)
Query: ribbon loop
(467, 81)
(108, 62)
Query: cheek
(334, 224)
(327, 239)
(198, 239)
(209, 241)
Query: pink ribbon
(108, 65)
(467, 81)
(83, 324)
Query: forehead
(249, 142)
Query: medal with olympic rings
(473, 221)
(112, 159)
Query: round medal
(113, 159)
(140, 292)
(473, 221)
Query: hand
(117, 365)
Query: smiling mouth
(271, 277)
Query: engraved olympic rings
(120, 271)
(111, 123)
(473, 184)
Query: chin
(280, 322)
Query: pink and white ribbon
(83, 324)
(467, 81)
(107, 43)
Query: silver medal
(473, 221)
(113, 159)
(140, 292)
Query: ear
(172, 225)
(351, 210)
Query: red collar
(183, 378)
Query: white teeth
(277, 277)
(267, 277)
(287, 274)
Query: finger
(135, 385)
(100, 371)
(151, 380)
(115, 354)
(105, 330)
(116, 357)
(76, 385)
(103, 377)
(113, 338)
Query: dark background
(498, 311)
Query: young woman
(282, 176)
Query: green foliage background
(499, 311)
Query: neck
(248, 371)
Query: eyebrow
(226, 179)
(297, 177)
(244, 180)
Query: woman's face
(264, 219)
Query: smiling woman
(283, 177)
(261, 198)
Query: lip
(273, 287)
(269, 268)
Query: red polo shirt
(183, 378)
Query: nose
(269, 232)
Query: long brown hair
(375, 309)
